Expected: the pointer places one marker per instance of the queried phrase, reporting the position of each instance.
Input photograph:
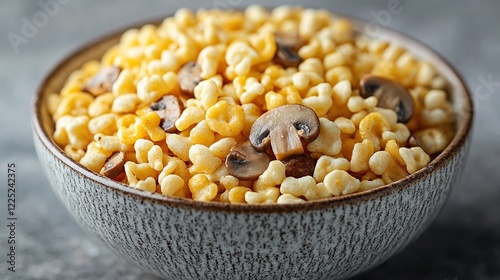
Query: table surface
(463, 242)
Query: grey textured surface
(463, 243)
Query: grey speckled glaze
(183, 239)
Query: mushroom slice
(299, 166)
(102, 81)
(246, 163)
(390, 95)
(169, 108)
(189, 77)
(115, 165)
(287, 49)
(283, 128)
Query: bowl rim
(458, 142)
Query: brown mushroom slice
(169, 108)
(115, 165)
(390, 95)
(246, 163)
(287, 49)
(102, 81)
(189, 77)
(283, 128)
(299, 166)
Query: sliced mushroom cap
(390, 95)
(169, 108)
(189, 77)
(299, 166)
(102, 81)
(287, 49)
(115, 165)
(283, 128)
(246, 163)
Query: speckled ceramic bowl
(185, 239)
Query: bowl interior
(459, 94)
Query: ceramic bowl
(184, 239)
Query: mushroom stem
(287, 142)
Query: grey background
(463, 243)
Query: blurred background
(464, 241)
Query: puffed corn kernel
(425, 74)
(289, 199)
(239, 57)
(341, 92)
(191, 115)
(358, 103)
(201, 188)
(151, 88)
(111, 143)
(252, 112)
(334, 59)
(129, 134)
(125, 103)
(266, 196)
(345, 125)
(222, 147)
(312, 65)
(340, 182)
(432, 140)
(328, 141)
(95, 157)
(101, 105)
(272, 177)
(264, 44)
(370, 184)
(394, 172)
(310, 50)
(139, 172)
(225, 119)
(415, 158)
(304, 187)
(203, 160)
(390, 115)
(75, 154)
(327, 164)
(209, 59)
(155, 158)
(75, 103)
(361, 154)
(149, 184)
(372, 126)
(124, 83)
(379, 162)
(338, 74)
(171, 184)
(207, 93)
(201, 134)
(399, 132)
(151, 123)
(253, 89)
(237, 194)
(319, 98)
(179, 145)
(169, 60)
(392, 147)
(76, 131)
